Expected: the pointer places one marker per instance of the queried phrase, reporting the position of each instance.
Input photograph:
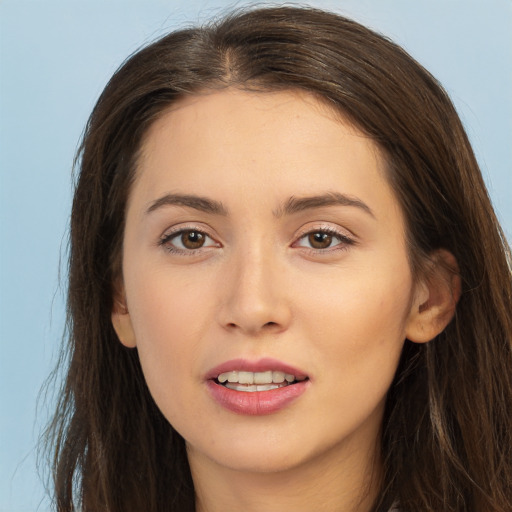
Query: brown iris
(192, 239)
(319, 240)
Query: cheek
(357, 328)
(166, 306)
(360, 303)
(169, 318)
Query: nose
(254, 299)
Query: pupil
(320, 240)
(192, 239)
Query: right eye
(187, 240)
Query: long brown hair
(447, 432)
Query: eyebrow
(291, 206)
(299, 204)
(202, 204)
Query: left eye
(188, 240)
(322, 240)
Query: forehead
(280, 144)
(249, 115)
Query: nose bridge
(254, 295)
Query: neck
(340, 480)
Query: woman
(288, 288)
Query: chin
(261, 452)
(258, 460)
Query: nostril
(268, 327)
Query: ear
(435, 298)
(121, 320)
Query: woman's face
(263, 243)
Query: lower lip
(256, 403)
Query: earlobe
(435, 300)
(122, 324)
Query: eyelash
(344, 241)
(166, 241)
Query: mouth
(255, 388)
(247, 381)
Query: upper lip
(260, 365)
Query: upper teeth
(256, 377)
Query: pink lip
(257, 402)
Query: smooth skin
(262, 225)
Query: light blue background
(55, 58)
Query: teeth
(277, 376)
(254, 387)
(258, 378)
(231, 377)
(246, 378)
(262, 378)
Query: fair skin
(262, 226)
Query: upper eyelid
(173, 230)
(308, 228)
(324, 229)
(322, 226)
